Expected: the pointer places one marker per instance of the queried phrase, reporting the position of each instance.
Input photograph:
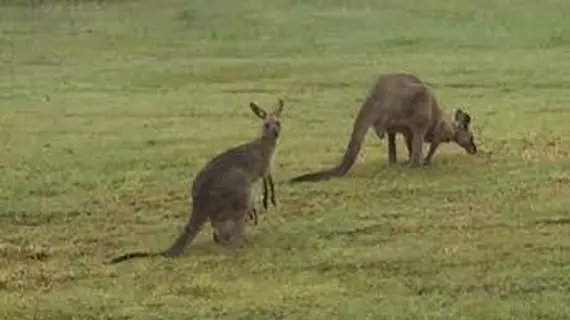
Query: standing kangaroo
(402, 103)
(221, 191)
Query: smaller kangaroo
(268, 187)
(221, 191)
(402, 103)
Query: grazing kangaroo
(268, 187)
(402, 103)
(221, 191)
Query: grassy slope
(108, 110)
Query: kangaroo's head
(463, 135)
(271, 124)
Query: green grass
(109, 108)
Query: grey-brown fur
(402, 103)
(221, 191)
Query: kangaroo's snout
(272, 129)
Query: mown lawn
(109, 108)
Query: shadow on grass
(443, 165)
(553, 221)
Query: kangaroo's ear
(279, 108)
(458, 114)
(260, 113)
(466, 118)
(462, 117)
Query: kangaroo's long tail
(131, 255)
(363, 121)
(191, 230)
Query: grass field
(109, 108)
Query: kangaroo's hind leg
(228, 233)
(222, 231)
(392, 159)
(229, 223)
(417, 147)
(381, 133)
(237, 237)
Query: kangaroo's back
(399, 97)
